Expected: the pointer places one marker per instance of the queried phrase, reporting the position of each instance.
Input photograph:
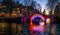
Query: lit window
(13, 11)
(18, 8)
(18, 11)
(13, 14)
(7, 15)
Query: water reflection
(15, 28)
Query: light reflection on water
(17, 28)
(4, 28)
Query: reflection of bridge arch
(37, 15)
(40, 27)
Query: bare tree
(28, 2)
(33, 4)
(51, 4)
(39, 6)
(57, 10)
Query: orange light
(31, 23)
(18, 11)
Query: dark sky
(41, 2)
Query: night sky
(41, 2)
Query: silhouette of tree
(28, 2)
(51, 4)
(33, 4)
(38, 6)
(57, 10)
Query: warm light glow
(13, 14)
(18, 11)
(7, 15)
(20, 14)
(18, 8)
(47, 13)
(13, 11)
(2, 6)
(53, 12)
(2, 13)
(3, 25)
(48, 21)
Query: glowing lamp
(47, 13)
(48, 21)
